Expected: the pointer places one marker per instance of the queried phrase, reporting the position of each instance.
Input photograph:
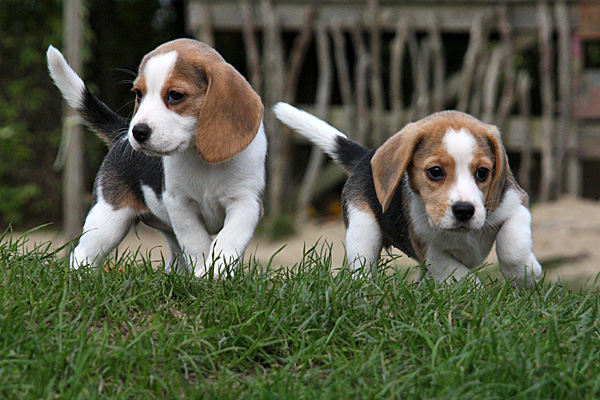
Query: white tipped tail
(70, 84)
(317, 131)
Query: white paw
(524, 275)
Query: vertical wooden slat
(397, 52)
(377, 95)
(343, 75)
(483, 62)
(322, 104)
(507, 98)
(413, 51)
(546, 70)
(361, 81)
(490, 85)
(438, 65)
(477, 41)
(297, 55)
(251, 44)
(422, 81)
(206, 30)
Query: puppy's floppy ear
(390, 161)
(230, 115)
(501, 170)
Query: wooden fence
(374, 85)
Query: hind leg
(176, 260)
(103, 230)
(363, 239)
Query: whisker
(125, 105)
(124, 81)
(127, 71)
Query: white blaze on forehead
(152, 110)
(460, 145)
(158, 69)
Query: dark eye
(174, 97)
(436, 174)
(138, 94)
(482, 174)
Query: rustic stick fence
(373, 73)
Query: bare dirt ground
(566, 236)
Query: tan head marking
(501, 169)
(420, 146)
(230, 115)
(391, 160)
(228, 110)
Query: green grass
(296, 333)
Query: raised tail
(333, 142)
(96, 115)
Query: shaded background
(118, 33)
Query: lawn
(136, 333)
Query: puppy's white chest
(199, 186)
(470, 249)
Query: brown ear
(230, 115)
(390, 161)
(501, 170)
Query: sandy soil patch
(566, 236)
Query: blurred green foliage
(29, 112)
(117, 34)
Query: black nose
(463, 211)
(141, 132)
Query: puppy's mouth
(457, 226)
(153, 152)
(460, 227)
(464, 226)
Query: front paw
(524, 274)
(216, 268)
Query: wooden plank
(514, 141)
(455, 16)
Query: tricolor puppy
(440, 190)
(191, 163)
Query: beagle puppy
(440, 190)
(190, 163)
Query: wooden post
(73, 209)
(574, 167)
(524, 95)
(546, 70)
(274, 73)
(565, 96)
